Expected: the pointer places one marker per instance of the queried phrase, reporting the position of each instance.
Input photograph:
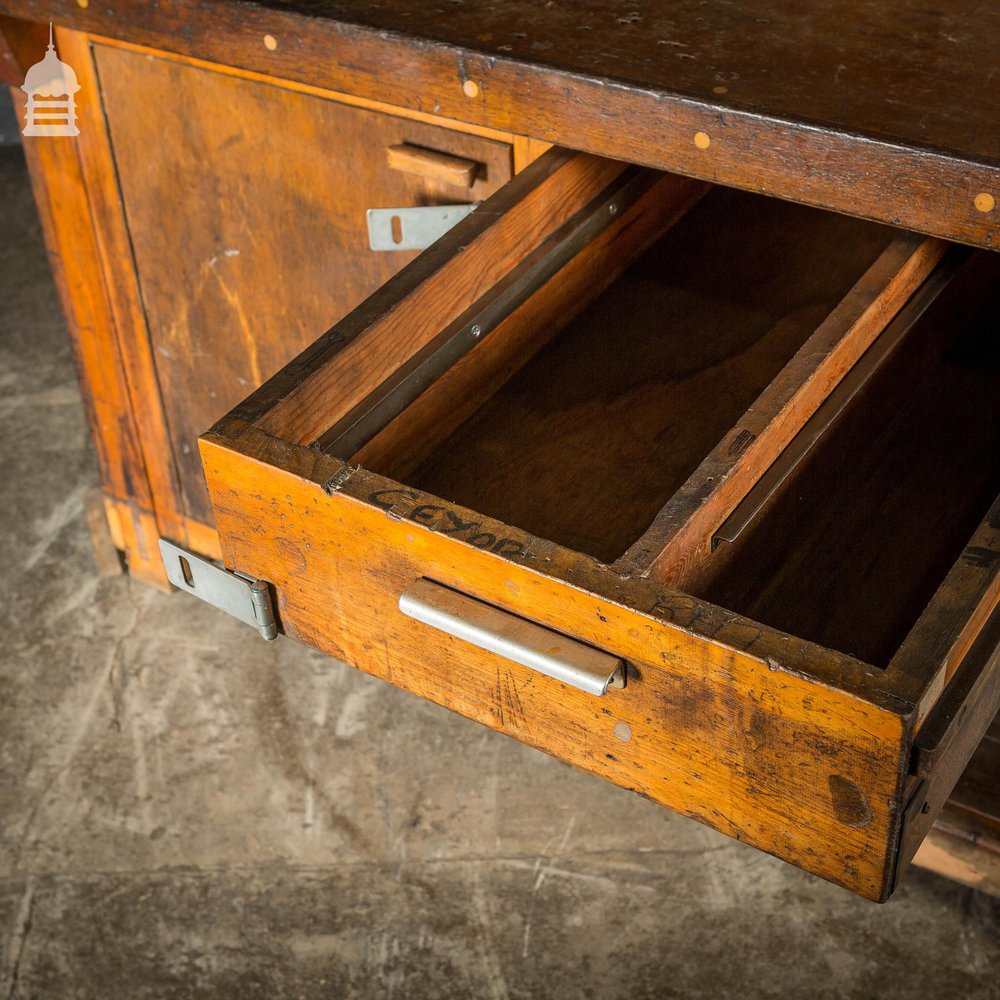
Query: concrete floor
(189, 812)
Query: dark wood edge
(89, 317)
(781, 653)
(948, 739)
(923, 189)
(114, 240)
(940, 642)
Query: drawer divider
(837, 402)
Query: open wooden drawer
(690, 488)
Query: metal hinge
(412, 228)
(241, 596)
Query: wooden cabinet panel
(246, 208)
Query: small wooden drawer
(691, 488)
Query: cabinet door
(245, 204)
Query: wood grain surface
(337, 372)
(617, 412)
(340, 543)
(856, 546)
(248, 225)
(82, 222)
(679, 542)
(716, 721)
(400, 448)
(881, 108)
(21, 43)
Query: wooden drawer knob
(430, 163)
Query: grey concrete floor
(186, 811)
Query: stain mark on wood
(977, 555)
(849, 803)
(622, 731)
(741, 442)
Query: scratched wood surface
(881, 108)
(711, 722)
(248, 225)
(617, 411)
(883, 509)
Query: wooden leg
(134, 533)
(106, 552)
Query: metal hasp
(243, 597)
(413, 228)
(550, 653)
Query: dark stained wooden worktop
(882, 108)
(919, 73)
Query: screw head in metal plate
(476, 330)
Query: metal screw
(476, 331)
(613, 209)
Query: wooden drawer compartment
(554, 418)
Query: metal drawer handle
(515, 638)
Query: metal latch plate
(412, 228)
(244, 598)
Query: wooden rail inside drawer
(852, 549)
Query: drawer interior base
(587, 441)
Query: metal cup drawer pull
(550, 653)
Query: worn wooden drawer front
(740, 446)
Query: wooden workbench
(207, 225)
